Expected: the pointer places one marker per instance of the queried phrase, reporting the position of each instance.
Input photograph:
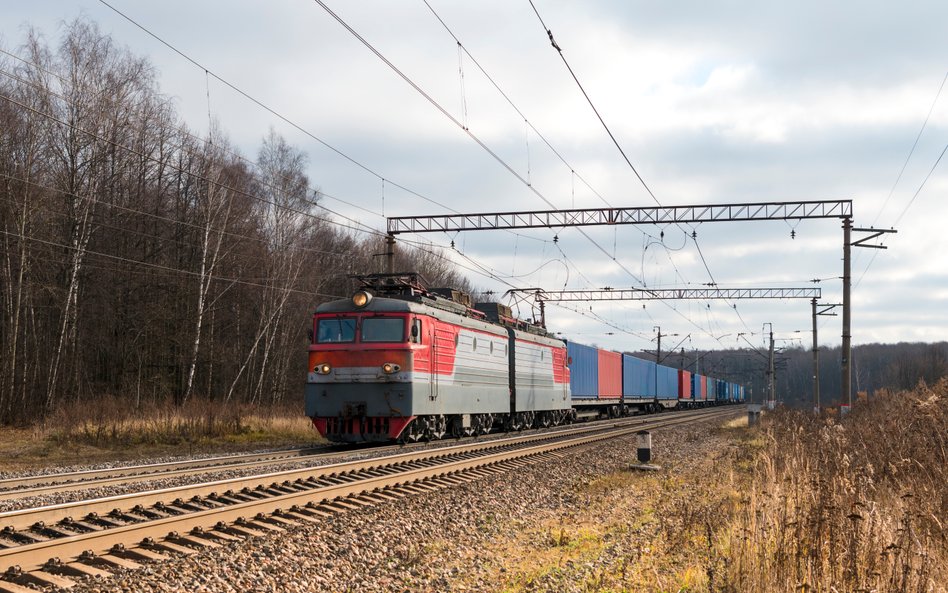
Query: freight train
(401, 362)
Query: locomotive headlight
(389, 367)
(361, 299)
(323, 368)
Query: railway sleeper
(26, 537)
(193, 541)
(258, 524)
(56, 531)
(138, 554)
(75, 569)
(11, 587)
(301, 516)
(167, 546)
(45, 579)
(102, 522)
(241, 530)
(281, 520)
(110, 561)
(217, 533)
(318, 511)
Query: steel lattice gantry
(607, 216)
(813, 209)
(646, 294)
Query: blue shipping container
(667, 382)
(638, 378)
(583, 370)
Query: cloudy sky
(713, 102)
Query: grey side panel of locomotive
(534, 388)
(479, 382)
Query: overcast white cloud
(713, 101)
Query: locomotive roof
(415, 305)
(377, 304)
(435, 307)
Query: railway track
(48, 545)
(41, 483)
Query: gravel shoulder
(583, 523)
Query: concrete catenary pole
(816, 363)
(390, 253)
(772, 401)
(846, 395)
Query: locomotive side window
(335, 329)
(383, 329)
(416, 331)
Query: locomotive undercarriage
(434, 427)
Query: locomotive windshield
(335, 329)
(383, 329)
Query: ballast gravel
(438, 541)
(145, 483)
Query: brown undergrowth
(114, 429)
(852, 505)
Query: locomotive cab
(361, 362)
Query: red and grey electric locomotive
(400, 362)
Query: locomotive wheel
(455, 429)
(413, 432)
(437, 426)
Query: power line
(906, 209)
(164, 268)
(114, 206)
(407, 79)
(912, 150)
(273, 112)
(513, 105)
(559, 52)
(593, 106)
(233, 87)
(208, 72)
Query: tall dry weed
(113, 422)
(857, 504)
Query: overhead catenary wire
(591, 104)
(272, 111)
(408, 80)
(281, 117)
(908, 158)
(296, 126)
(87, 251)
(605, 126)
(573, 173)
(483, 145)
(906, 209)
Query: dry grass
(623, 532)
(798, 504)
(111, 429)
(857, 505)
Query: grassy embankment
(114, 430)
(800, 504)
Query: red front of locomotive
(364, 361)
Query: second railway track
(48, 544)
